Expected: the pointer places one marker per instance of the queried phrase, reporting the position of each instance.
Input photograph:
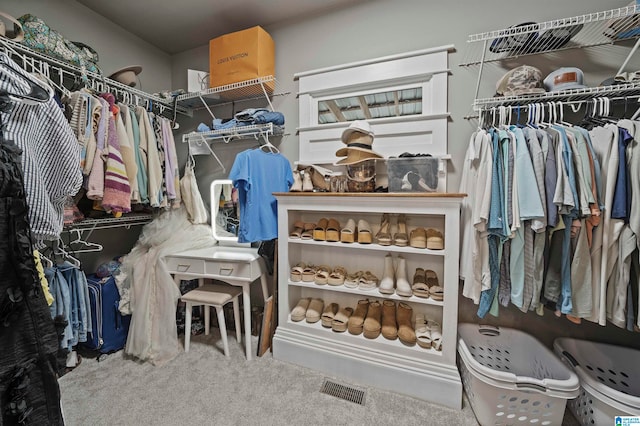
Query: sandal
(322, 274)
(300, 311)
(309, 274)
(332, 233)
(400, 238)
(420, 287)
(436, 334)
(298, 227)
(347, 234)
(435, 240)
(383, 237)
(352, 280)
(307, 232)
(314, 310)
(341, 320)
(337, 276)
(329, 313)
(368, 281)
(296, 272)
(423, 334)
(436, 292)
(364, 232)
(319, 232)
(418, 238)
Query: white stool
(217, 296)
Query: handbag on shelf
(42, 38)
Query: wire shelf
(257, 88)
(125, 221)
(593, 29)
(252, 131)
(613, 92)
(36, 60)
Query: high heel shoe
(383, 237)
(400, 238)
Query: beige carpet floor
(202, 387)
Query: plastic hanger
(224, 170)
(88, 246)
(46, 262)
(60, 251)
(268, 145)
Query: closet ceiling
(176, 26)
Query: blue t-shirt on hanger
(257, 175)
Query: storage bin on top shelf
(512, 378)
(609, 380)
(413, 174)
(241, 56)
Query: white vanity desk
(239, 266)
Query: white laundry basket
(609, 379)
(510, 378)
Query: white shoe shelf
(426, 374)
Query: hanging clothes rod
(35, 61)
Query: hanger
(38, 91)
(88, 246)
(268, 145)
(59, 250)
(46, 262)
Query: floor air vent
(347, 393)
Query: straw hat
(127, 75)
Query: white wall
(116, 47)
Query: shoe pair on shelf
(428, 238)
(308, 180)
(384, 236)
(372, 318)
(427, 285)
(313, 310)
(394, 278)
(361, 233)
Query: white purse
(191, 194)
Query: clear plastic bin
(511, 378)
(609, 379)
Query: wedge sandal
(436, 292)
(332, 233)
(436, 334)
(341, 320)
(329, 314)
(435, 240)
(319, 232)
(299, 312)
(298, 228)
(307, 232)
(352, 280)
(420, 287)
(418, 238)
(423, 334)
(368, 281)
(337, 276)
(400, 238)
(365, 236)
(314, 310)
(296, 272)
(348, 233)
(383, 236)
(309, 274)
(322, 274)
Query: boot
(403, 288)
(406, 333)
(356, 321)
(372, 322)
(297, 182)
(389, 328)
(386, 284)
(307, 185)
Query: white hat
(361, 126)
(127, 75)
